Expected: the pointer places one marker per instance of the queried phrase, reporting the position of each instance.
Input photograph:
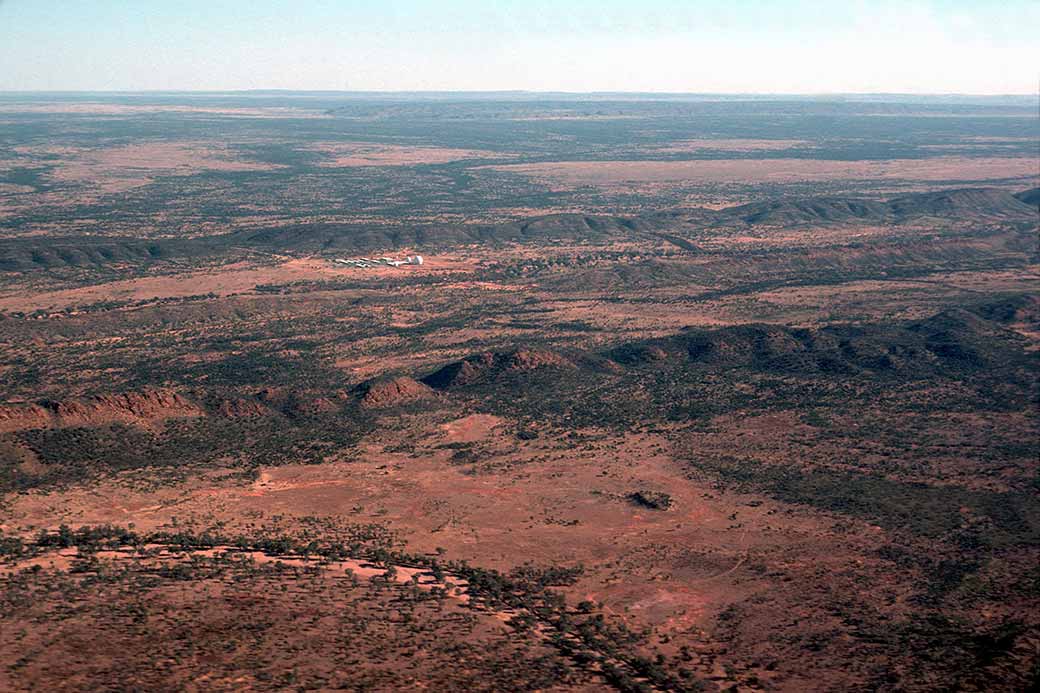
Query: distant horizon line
(534, 92)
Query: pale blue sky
(792, 46)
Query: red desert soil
(331, 625)
(560, 504)
(574, 173)
(551, 501)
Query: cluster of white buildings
(365, 262)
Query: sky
(691, 46)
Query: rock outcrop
(143, 407)
(391, 393)
(482, 365)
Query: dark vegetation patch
(34, 177)
(944, 647)
(75, 455)
(973, 517)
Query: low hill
(43, 253)
(481, 367)
(960, 206)
(1016, 308)
(953, 343)
(392, 392)
(144, 407)
(819, 210)
(1030, 197)
(966, 203)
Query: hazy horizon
(303, 96)
(798, 47)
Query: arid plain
(686, 394)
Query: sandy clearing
(470, 429)
(455, 587)
(235, 278)
(119, 168)
(239, 277)
(583, 173)
(740, 145)
(355, 154)
(122, 168)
